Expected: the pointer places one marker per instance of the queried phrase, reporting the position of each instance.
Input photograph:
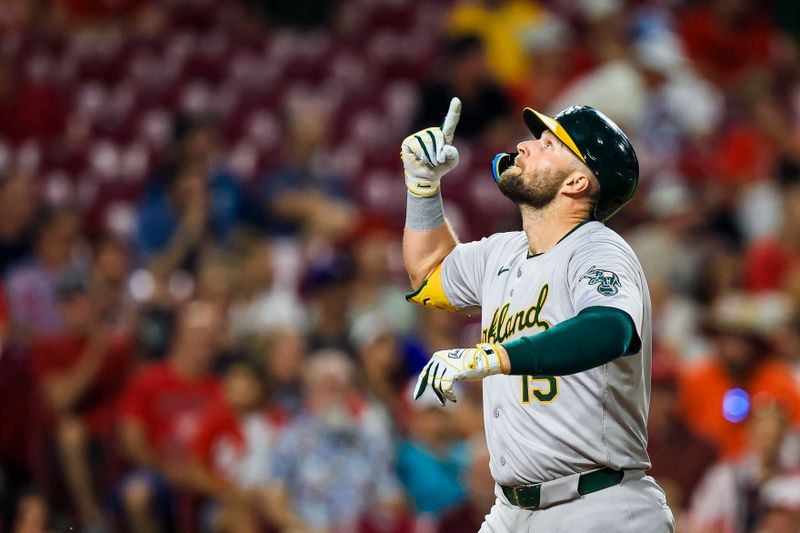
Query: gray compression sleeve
(424, 213)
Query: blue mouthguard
(501, 162)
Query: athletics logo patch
(607, 282)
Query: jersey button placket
(497, 413)
(503, 461)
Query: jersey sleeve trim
(431, 293)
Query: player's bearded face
(536, 187)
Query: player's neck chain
(504, 326)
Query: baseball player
(566, 348)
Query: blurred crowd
(202, 314)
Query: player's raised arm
(427, 156)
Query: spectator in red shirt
(79, 373)
(727, 38)
(160, 415)
(771, 262)
(233, 450)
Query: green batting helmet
(598, 142)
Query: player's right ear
(576, 183)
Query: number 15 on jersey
(544, 389)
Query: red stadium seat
(384, 193)
(28, 157)
(244, 158)
(155, 127)
(58, 187)
(347, 159)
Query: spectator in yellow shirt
(502, 26)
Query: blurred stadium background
(202, 319)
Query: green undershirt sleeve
(596, 336)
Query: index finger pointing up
(451, 120)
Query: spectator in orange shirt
(715, 395)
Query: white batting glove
(429, 154)
(460, 364)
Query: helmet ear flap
(501, 162)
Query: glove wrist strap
(421, 186)
(493, 361)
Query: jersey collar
(570, 232)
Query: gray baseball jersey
(540, 428)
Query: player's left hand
(459, 364)
(429, 154)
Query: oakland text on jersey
(503, 326)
